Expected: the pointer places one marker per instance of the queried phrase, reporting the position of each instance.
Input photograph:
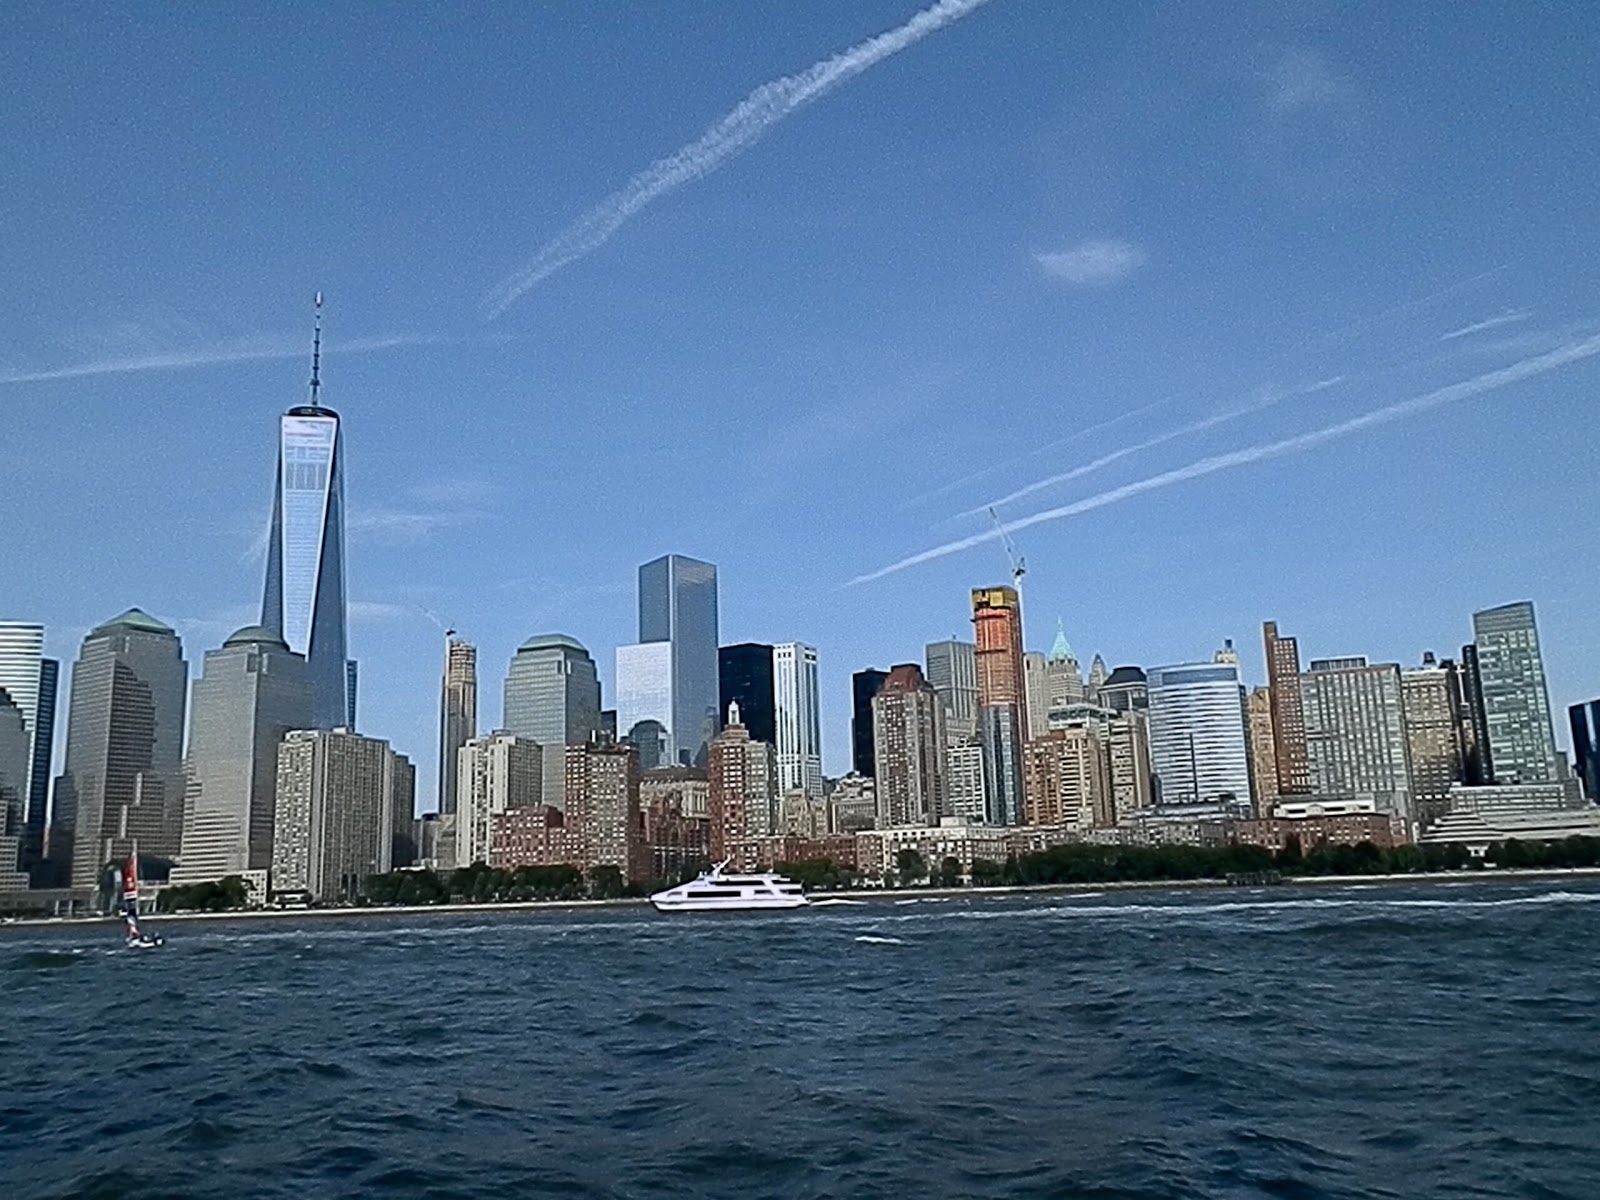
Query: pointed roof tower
(1060, 651)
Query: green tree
(910, 866)
(985, 873)
(606, 882)
(950, 872)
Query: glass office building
(678, 606)
(552, 697)
(1198, 749)
(1516, 702)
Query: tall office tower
(552, 697)
(864, 685)
(334, 819)
(304, 598)
(952, 669)
(1098, 675)
(1128, 752)
(1430, 698)
(22, 678)
(403, 808)
(606, 828)
(799, 744)
(1002, 699)
(678, 606)
(1035, 691)
(495, 773)
(122, 788)
(745, 678)
(1356, 734)
(1263, 751)
(644, 701)
(963, 771)
(1473, 721)
(16, 750)
(458, 713)
(1198, 750)
(742, 788)
(250, 693)
(44, 742)
(1288, 721)
(910, 748)
(1585, 719)
(1124, 690)
(1063, 676)
(1068, 779)
(1516, 705)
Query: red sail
(130, 878)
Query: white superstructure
(716, 891)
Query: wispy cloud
(1304, 78)
(400, 524)
(1264, 399)
(1094, 261)
(235, 350)
(1510, 316)
(372, 611)
(1489, 381)
(734, 133)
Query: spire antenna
(316, 352)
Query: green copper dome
(252, 635)
(135, 620)
(1060, 652)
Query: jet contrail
(208, 356)
(1105, 460)
(737, 131)
(1506, 318)
(1560, 357)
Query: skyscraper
(304, 599)
(251, 693)
(1288, 721)
(30, 683)
(603, 819)
(1198, 750)
(16, 749)
(952, 669)
(1433, 731)
(864, 686)
(1063, 677)
(552, 697)
(1128, 751)
(644, 701)
(1263, 751)
(1067, 778)
(678, 605)
(744, 677)
(1356, 742)
(1516, 703)
(1002, 698)
(799, 719)
(1124, 690)
(742, 791)
(910, 751)
(497, 773)
(122, 788)
(1035, 687)
(458, 714)
(333, 823)
(1473, 722)
(1585, 720)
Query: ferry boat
(717, 891)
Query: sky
(1279, 311)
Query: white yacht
(717, 891)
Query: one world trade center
(304, 602)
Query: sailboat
(138, 939)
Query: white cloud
(1095, 261)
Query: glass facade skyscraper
(953, 671)
(1585, 719)
(458, 714)
(744, 674)
(678, 605)
(799, 719)
(864, 685)
(552, 697)
(1516, 703)
(304, 599)
(1198, 749)
(29, 679)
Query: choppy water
(1426, 1041)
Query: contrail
(736, 132)
(207, 356)
(1560, 357)
(1506, 318)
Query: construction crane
(1019, 567)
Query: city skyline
(1112, 337)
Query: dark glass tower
(1585, 720)
(744, 673)
(304, 599)
(44, 741)
(864, 685)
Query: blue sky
(1043, 237)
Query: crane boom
(1019, 567)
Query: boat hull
(727, 905)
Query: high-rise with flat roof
(799, 719)
(742, 789)
(1433, 733)
(678, 606)
(458, 713)
(29, 679)
(910, 751)
(252, 691)
(1288, 721)
(304, 598)
(1516, 702)
(552, 698)
(1198, 749)
(16, 749)
(952, 669)
(1263, 750)
(1585, 721)
(1356, 744)
(333, 823)
(1002, 698)
(864, 685)
(1068, 780)
(496, 773)
(122, 787)
(745, 678)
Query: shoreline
(863, 896)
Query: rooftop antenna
(316, 353)
(1019, 567)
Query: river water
(1425, 1041)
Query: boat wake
(872, 939)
